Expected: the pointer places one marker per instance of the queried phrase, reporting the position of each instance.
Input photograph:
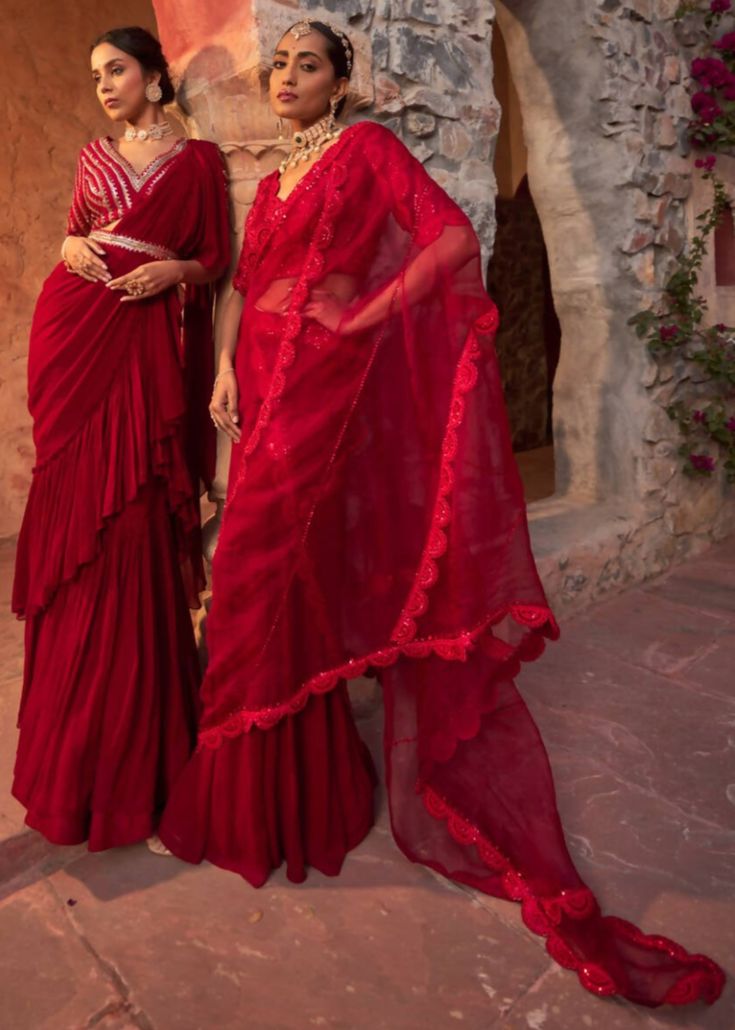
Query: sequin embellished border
(113, 239)
(451, 648)
(704, 981)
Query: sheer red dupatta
(118, 392)
(376, 521)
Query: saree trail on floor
(375, 523)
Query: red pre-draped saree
(109, 552)
(375, 522)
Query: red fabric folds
(109, 554)
(300, 794)
(375, 522)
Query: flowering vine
(706, 420)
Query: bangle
(63, 248)
(222, 373)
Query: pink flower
(720, 327)
(711, 72)
(706, 107)
(702, 463)
(668, 332)
(708, 163)
(730, 424)
(720, 6)
(726, 42)
(699, 416)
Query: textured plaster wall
(48, 110)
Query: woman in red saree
(109, 553)
(375, 523)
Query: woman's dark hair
(342, 57)
(146, 49)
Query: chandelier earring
(153, 92)
(334, 104)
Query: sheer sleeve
(79, 221)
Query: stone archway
(564, 181)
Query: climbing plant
(677, 328)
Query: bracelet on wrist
(222, 373)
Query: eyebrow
(108, 63)
(301, 53)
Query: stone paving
(637, 704)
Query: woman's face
(303, 79)
(120, 81)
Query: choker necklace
(157, 131)
(308, 143)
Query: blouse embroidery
(106, 184)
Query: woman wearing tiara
(375, 523)
(109, 553)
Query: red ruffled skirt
(108, 713)
(108, 564)
(299, 793)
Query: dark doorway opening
(518, 279)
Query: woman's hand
(223, 406)
(84, 257)
(326, 309)
(147, 280)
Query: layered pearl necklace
(156, 131)
(309, 143)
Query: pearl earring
(153, 92)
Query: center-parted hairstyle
(145, 48)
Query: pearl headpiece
(303, 28)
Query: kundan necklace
(156, 131)
(308, 143)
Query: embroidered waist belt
(130, 243)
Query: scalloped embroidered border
(543, 916)
(287, 352)
(537, 618)
(436, 543)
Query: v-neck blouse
(107, 185)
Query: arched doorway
(518, 279)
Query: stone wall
(611, 176)
(432, 71)
(49, 111)
(645, 105)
